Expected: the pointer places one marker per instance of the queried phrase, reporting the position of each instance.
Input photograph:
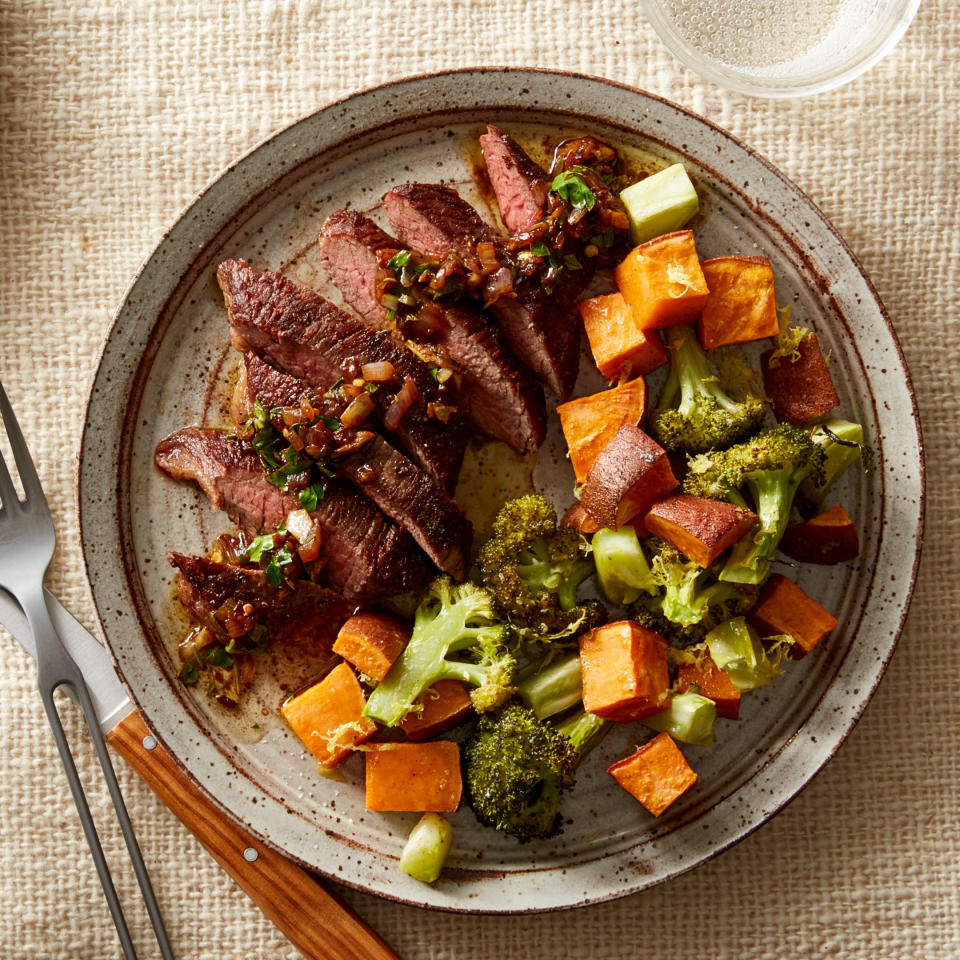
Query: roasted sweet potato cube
(783, 608)
(590, 423)
(625, 673)
(445, 704)
(656, 774)
(619, 346)
(371, 642)
(827, 538)
(417, 777)
(700, 528)
(741, 305)
(630, 474)
(578, 518)
(712, 682)
(328, 717)
(800, 388)
(662, 282)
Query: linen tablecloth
(113, 115)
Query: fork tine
(8, 494)
(28, 472)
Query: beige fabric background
(114, 114)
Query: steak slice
(309, 612)
(541, 330)
(499, 395)
(520, 185)
(407, 495)
(300, 332)
(366, 555)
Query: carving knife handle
(318, 924)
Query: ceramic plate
(167, 364)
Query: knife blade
(317, 922)
(109, 697)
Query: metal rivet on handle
(149, 742)
(250, 854)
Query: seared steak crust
(435, 219)
(367, 556)
(540, 329)
(310, 612)
(500, 397)
(521, 186)
(407, 495)
(300, 332)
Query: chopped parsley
(571, 186)
(274, 569)
(310, 496)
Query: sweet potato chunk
(445, 704)
(578, 518)
(784, 608)
(625, 674)
(712, 682)
(371, 642)
(417, 777)
(741, 305)
(630, 474)
(662, 282)
(827, 538)
(590, 423)
(328, 717)
(801, 388)
(656, 774)
(700, 528)
(619, 346)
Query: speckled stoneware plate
(167, 364)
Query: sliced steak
(300, 332)
(366, 555)
(230, 474)
(520, 185)
(435, 219)
(499, 396)
(309, 612)
(541, 330)
(407, 495)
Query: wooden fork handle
(317, 923)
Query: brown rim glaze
(117, 587)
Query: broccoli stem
(695, 379)
(427, 847)
(554, 688)
(622, 568)
(773, 492)
(839, 455)
(583, 730)
(689, 719)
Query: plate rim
(742, 831)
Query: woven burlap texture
(115, 114)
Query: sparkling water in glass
(780, 48)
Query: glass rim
(737, 81)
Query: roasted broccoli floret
(771, 466)
(691, 597)
(695, 413)
(534, 569)
(648, 612)
(456, 636)
(517, 767)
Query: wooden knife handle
(316, 922)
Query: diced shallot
(497, 285)
(377, 372)
(358, 411)
(307, 533)
(405, 399)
